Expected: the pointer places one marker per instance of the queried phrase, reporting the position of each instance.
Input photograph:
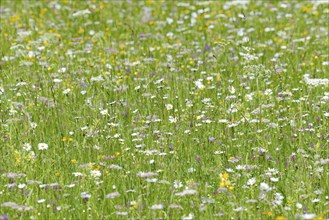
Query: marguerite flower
(42, 146)
(95, 173)
(27, 147)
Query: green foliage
(164, 110)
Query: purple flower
(4, 217)
(197, 158)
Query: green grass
(164, 110)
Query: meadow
(164, 109)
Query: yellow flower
(320, 217)
(67, 139)
(74, 161)
(57, 174)
(306, 9)
(14, 18)
(224, 175)
(18, 157)
(280, 218)
(224, 183)
(81, 31)
(268, 213)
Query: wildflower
(224, 180)
(147, 174)
(187, 192)
(33, 125)
(97, 79)
(189, 217)
(27, 147)
(81, 13)
(41, 200)
(77, 174)
(122, 213)
(66, 91)
(224, 176)
(268, 92)
(251, 181)
(172, 119)
(315, 81)
(224, 183)
(252, 201)
(31, 156)
(316, 200)
(95, 173)
(248, 97)
(188, 103)
(169, 20)
(178, 184)
(112, 195)
(308, 216)
(151, 180)
(169, 107)
(62, 70)
(268, 213)
(231, 89)
(191, 170)
(4, 217)
(116, 167)
(14, 205)
(210, 78)
(264, 187)
(67, 139)
(85, 196)
(239, 209)
(21, 186)
(278, 199)
(274, 179)
(2, 90)
(199, 84)
(157, 207)
(174, 206)
(206, 101)
(42, 146)
(299, 206)
(280, 218)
